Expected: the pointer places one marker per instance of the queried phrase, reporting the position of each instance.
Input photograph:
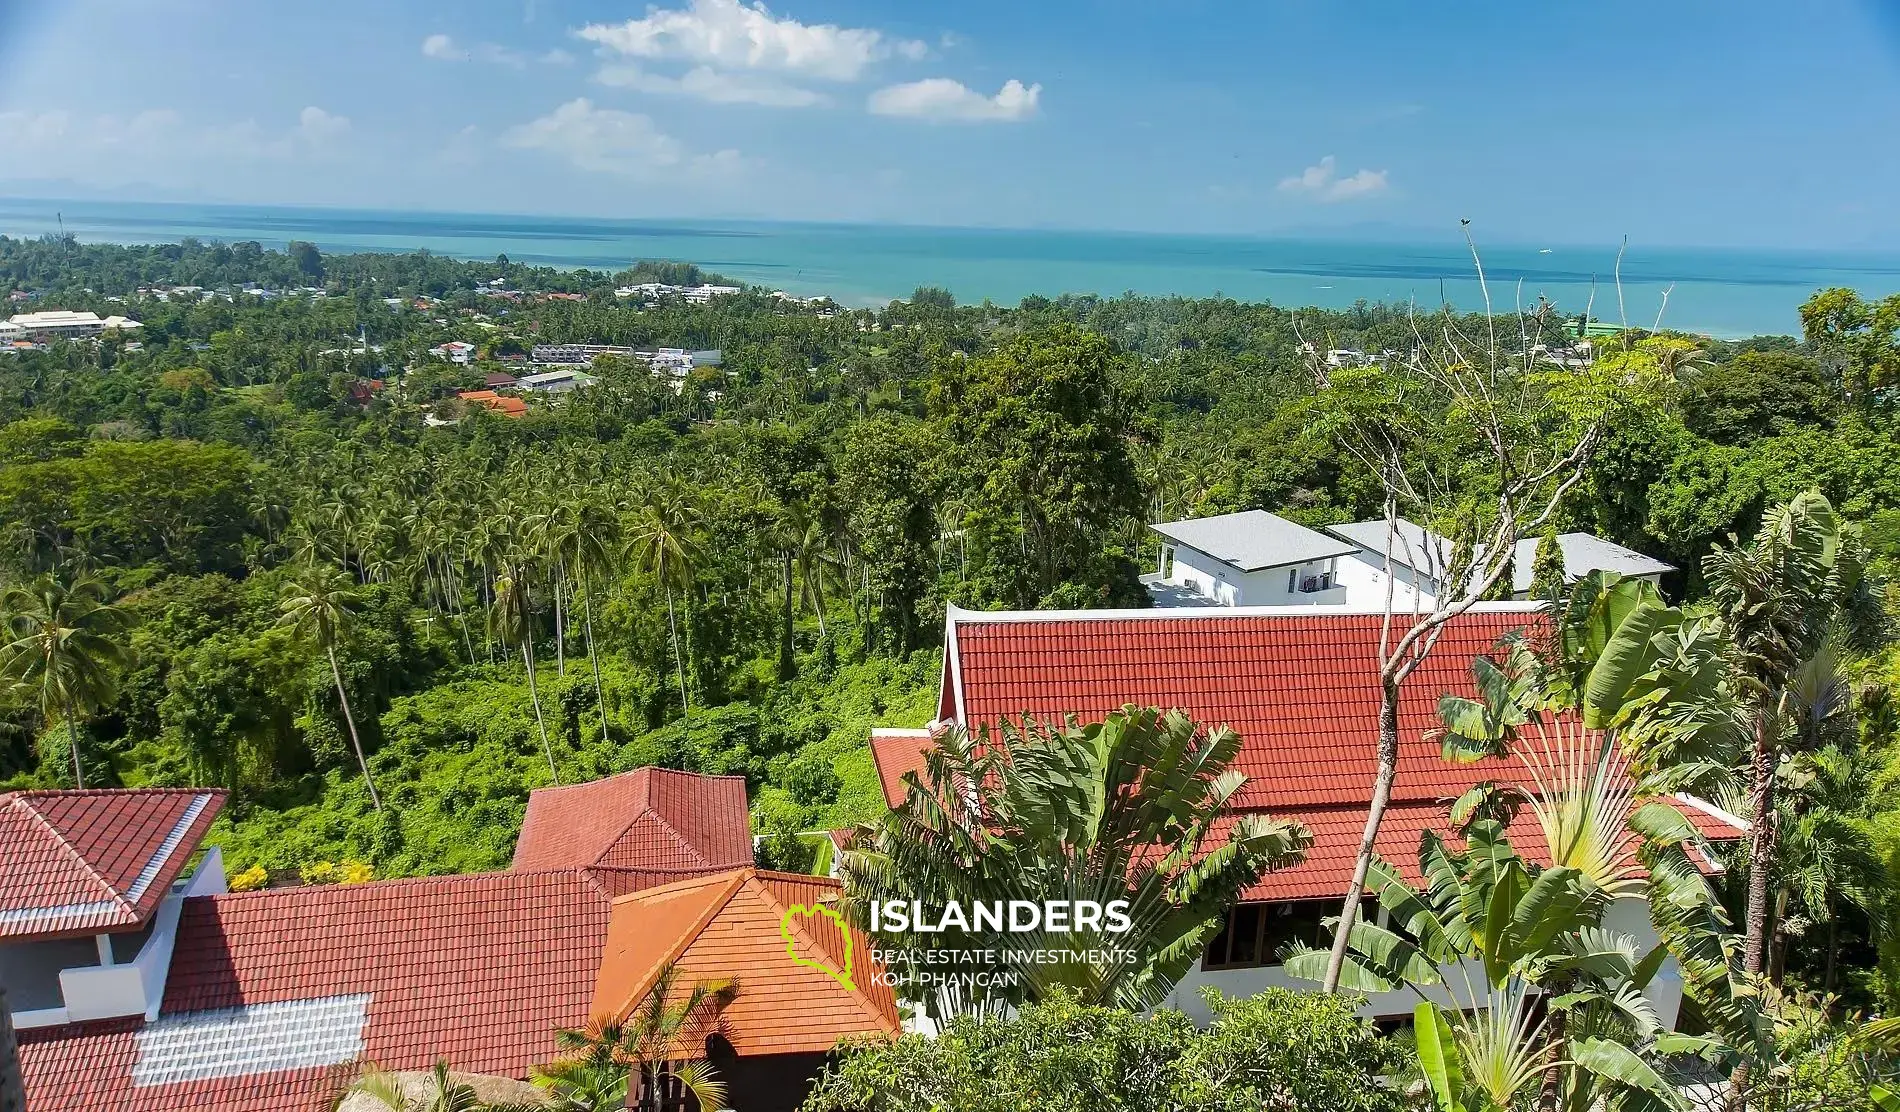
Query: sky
(1686, 122)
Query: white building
(1251, 558)
(65, 324)
(1419, 558)
(455, 351)
(564, 380)
(695, 295)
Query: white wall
(1363, 577)
(1229, 586)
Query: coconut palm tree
(1123, 809)
(64, 648)
(318, 605)
(586, 537)
(627, 1061)
(665, 546)
(512, 620)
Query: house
(1299, 686)
(498, 380)
(785, 1020)
(269, 999)
(579, 355)
(562, 380)
(91, 887)
(512, 408)
(1251, 558)
(63, 324)
(1419, 559)
(455, 351)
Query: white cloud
(443, 48)
(317, 126)
(705, 83)
(731, 36)
(1322, 182)
(607, 140)
(939, 98)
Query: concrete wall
(1363, 576)
(1229, 586)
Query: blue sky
(1676, 122)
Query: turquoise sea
(1725, 292)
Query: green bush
(1281, 1051)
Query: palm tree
(664, 546)
(445, 1094)
(319, 605)
(627, 1060)
(1123, 809)
(1777, 599)
(512, 620)
(64, 649)
(585, 535)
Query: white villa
(63, 324)
(1255, 558)
(1252, 558)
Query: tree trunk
(1761, 849)
(12, 1085)
(1381, 795)
(679, 664)
(787, 665)
(72, 738)
(1833, 946)
(560, 619)
(534, 696)
(593, 660)
(1550, 1094)
(1761, 843)
(349, 719)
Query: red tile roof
(728, 926)
(1299, 685)
(639, 829)
(896, 754)
(478, 969)
(82, 862)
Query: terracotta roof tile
(728, 926)
(1301, 688)
(897, 753)
(85, 861)
(640, 828)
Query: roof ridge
(733, 882)
(846, 928)
(112, 892)
(670, 829)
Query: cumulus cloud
(706, 83)
(1322, 182)
(317, 126)
(610, 141)
(442, 47)
(940, 98)
(730, 35)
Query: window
(1292, 579)
(1255, 933)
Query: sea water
(1720, 291)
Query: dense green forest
(379, 631)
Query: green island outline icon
(791, 943)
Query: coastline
(1722, 292)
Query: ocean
(1721, 292)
